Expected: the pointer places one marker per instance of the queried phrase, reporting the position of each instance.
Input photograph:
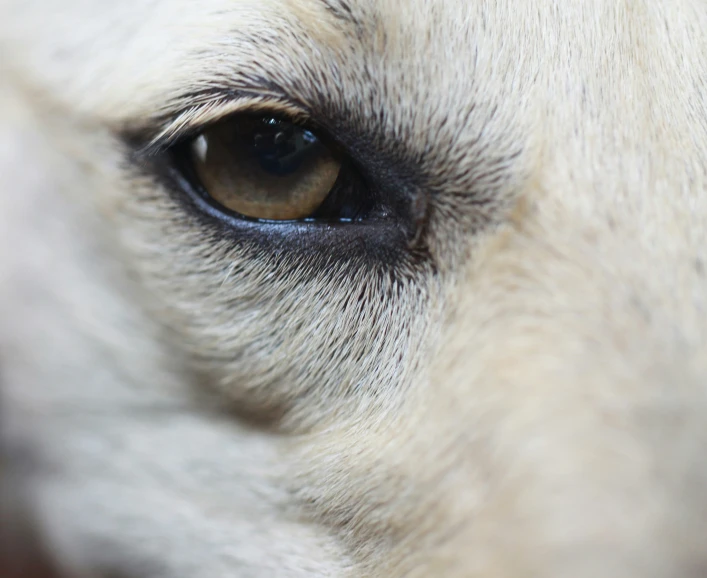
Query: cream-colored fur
(528, 399)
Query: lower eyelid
(380, 241)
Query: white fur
(531, 405)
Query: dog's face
(358, 288)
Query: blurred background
(22, 552)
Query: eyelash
(198, 117)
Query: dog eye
(264, 167)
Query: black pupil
(280, 147)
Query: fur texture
(524, 395)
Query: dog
(356, 288)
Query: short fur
(523, 394)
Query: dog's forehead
(455, 83)
(408, 53)
(427, 58)
(438, 83)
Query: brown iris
(265, 168)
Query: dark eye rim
(352, 200)
(378, 244)
(388, 237)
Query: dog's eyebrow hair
(254, 81)
(253, 88)
(342, 10)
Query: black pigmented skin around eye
(364, 221)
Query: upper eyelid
(196, 117)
